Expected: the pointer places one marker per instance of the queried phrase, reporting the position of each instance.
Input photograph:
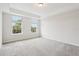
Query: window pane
(34, 25)
(16, 23)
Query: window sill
(16, 33)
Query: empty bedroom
(39, 29)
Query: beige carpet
(38, 47)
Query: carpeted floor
(38, 47)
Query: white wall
(6, 7)
(26, 29)
(3, 7)
(0, 28)
(7, 35)
(62, 27)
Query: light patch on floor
(38, 47)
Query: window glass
(34, 25)
(16, 24)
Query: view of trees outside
(34, 25)
(16, 23)
(33, 28)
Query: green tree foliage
(33, 29)
(17, 27)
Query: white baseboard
(70, 43)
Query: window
(34, 25)
(16, 24)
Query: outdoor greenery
(17, 27)
(33, 29)
(16, 23)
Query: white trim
(22, 15)
(21, 28)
